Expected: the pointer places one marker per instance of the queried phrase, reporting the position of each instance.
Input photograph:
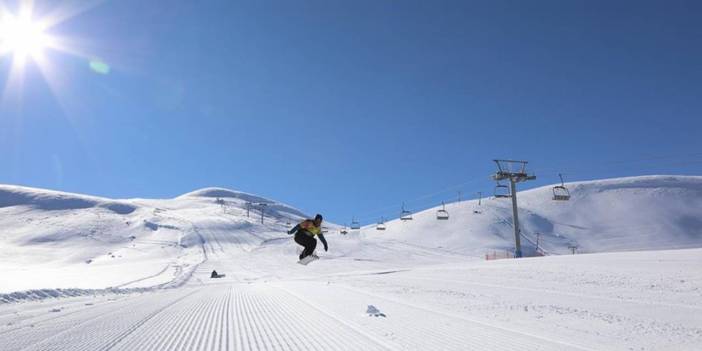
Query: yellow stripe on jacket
(308, 226)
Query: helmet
(318, 217)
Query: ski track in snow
(260, 317)
(421, 328)
(316, 308)
(569, 294)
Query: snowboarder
(305, 232)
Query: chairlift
(502, 191)
(405, 215)
(355, 225)
(381, 224)
(442, 214)
(560, 192)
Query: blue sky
(351, 107)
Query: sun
(22, 37)
(28, 34)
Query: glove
(289, 232)
(326, 248)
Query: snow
(636, 213)
(86, 273)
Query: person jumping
(305, 232)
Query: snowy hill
(636, 213)
(52, 239)
(135, 274)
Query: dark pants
(308, 242)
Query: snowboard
(305, 261)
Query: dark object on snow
(216, 275)
(374, 312)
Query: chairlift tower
(573, 247)
(514, 172)
(262, 207)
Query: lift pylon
(514, 172)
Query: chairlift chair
(381, 224)
(502, 191)
(405, 215)
(442, 214)
(355, 225)
(560, 192)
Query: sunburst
(22, 37)
(26, 37)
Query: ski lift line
(393, 211)
(390, 209)
(387, 209)
(547, 172)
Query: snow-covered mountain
(135, 274)
(635, 213)
(52, 239)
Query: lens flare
(98, 66)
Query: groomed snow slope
(140, 276)
(615, 301)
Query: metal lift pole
(515, 214)
(506, 170)
(263, 209)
